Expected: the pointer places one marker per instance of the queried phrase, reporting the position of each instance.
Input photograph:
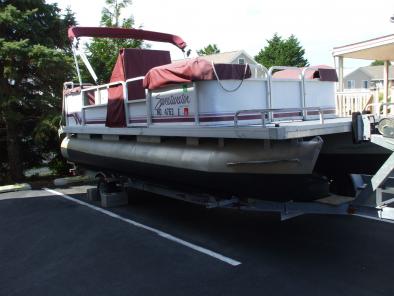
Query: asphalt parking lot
(53, 246)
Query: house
(368, 77)
(232, 57)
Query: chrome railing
(265, 112)
(98, 89)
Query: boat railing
(270, 82)
(265, 113)
(97, 104)
(267, 75)
(68, 85)
(128, 102)
(107, 86)
(303, 89)
(264, 71)
(97, 88)
(301, 79)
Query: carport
(381, 48)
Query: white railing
(99, 104)
(347, 102)
(351, 101)
(269, 113)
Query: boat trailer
(373, 193)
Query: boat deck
(280, 131)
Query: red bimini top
(197, 69)
(103, 32)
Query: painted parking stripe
(158, 232)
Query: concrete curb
(15, 187)
(71, 180)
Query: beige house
(235, 57)
(367, 78)
(232, 57)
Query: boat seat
(197, 69)
(323, 73)
(131, 63)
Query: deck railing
(362, 100)
(348, 102)
(268, 113)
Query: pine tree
(209, 49)
(33, 65)
(103, 52)
(282, 52)
(378, 63)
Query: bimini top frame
(101, 32)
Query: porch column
(385, 85)
(340, 74)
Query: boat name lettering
(172, 100)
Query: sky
(247, 24)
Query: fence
(352, 101)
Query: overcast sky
(246, 24)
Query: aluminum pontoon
(236, 130)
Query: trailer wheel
(105, 186)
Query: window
(241, 61)
(350, 84)
(365, 84)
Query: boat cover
(324, 73)
(131, 63)
(75, 32)
(197, 69)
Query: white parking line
(158, 232)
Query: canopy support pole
(76, 65)
(340, 74)
(87, 64)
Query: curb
(15, 187)
(71, 180)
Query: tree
(209, 49)
(282, 52)
(103, 52)
(33, 66)
(378, 63)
